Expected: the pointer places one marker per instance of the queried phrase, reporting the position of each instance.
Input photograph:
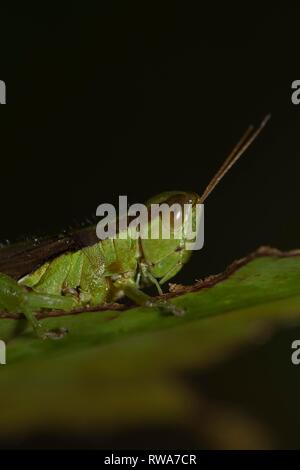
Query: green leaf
(118, 372)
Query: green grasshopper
(53, 274)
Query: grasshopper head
(164, 251)
(164, 257)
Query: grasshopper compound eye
(176, 203)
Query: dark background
(141, 97)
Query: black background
(141, 97)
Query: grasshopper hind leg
(36, 301)
(15, 298)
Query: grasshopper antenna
(248, 137)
